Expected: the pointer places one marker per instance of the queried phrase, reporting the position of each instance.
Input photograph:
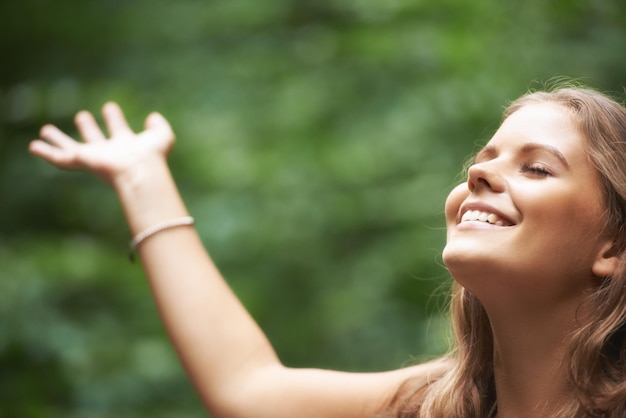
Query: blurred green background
(317, 143)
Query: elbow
(249, 397)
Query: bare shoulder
(429, 371)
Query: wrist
(139, 175)
(148, 195)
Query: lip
(483, 207)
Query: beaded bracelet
(146, 233)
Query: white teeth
(476, 215)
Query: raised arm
(230, 361)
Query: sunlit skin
(531, 271)
(534, 174)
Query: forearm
(217, 340)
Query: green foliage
(317, 143)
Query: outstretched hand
(105, 157)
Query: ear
(607, 260)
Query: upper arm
(278, 391)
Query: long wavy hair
(596, 350)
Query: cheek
(454, 201)
(566, 228)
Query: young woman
(536, 241)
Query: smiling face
(529, 219)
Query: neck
(528, 361)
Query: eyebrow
(489, 151)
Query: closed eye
(536, 169)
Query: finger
(88, 127)
(57, 156)
(115, 120)
(55, 136)
(156, 122)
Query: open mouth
(487, 217)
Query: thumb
(156, 122)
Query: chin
(457, 262)
(467, 262)
(460, 253)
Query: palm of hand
(104, 157)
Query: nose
(484, 175)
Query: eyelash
(536, 169)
